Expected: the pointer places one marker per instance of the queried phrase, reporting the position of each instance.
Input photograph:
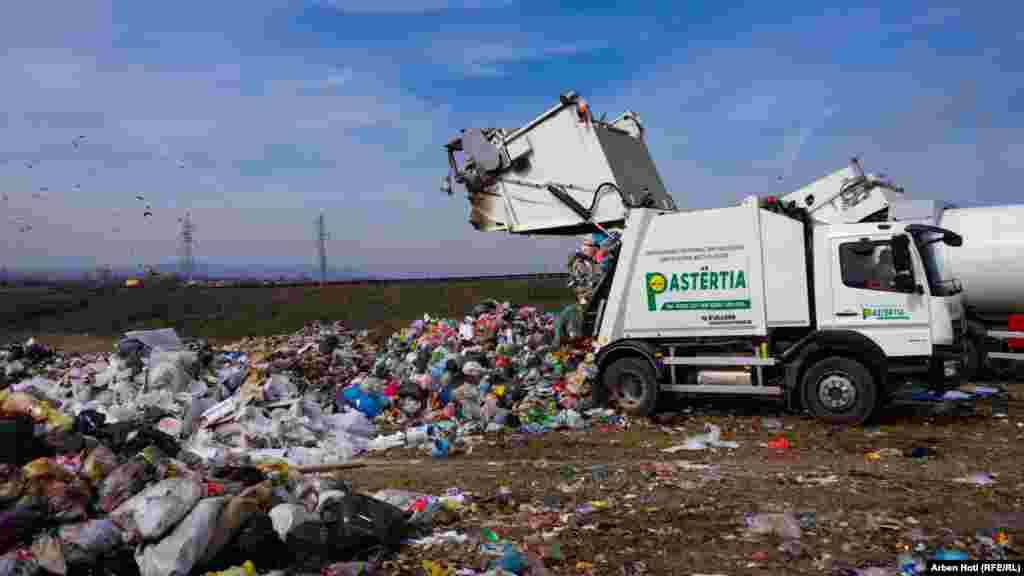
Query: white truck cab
(759, 299)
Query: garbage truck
(988, 268)
(775, 297)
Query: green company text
(657, 283)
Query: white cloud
(412, 6)
(480, 59)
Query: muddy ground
(683, 512)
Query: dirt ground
(683, 512)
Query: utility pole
(321, 245)
(187, 263)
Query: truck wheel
(839, 390)
(632, 383)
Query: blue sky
(257, 115)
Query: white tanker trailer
(990, 268)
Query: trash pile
(168, 457)
(590, 265)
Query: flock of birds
(22, 225)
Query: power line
(321, 245)
(187, 239)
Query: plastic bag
(279, 387)
(785, 526)
(151, 513)
(68, 500)
(100, 462)
(363, 522)
(170, 371)
(19, 562)
(178, 553)
(43, 469)
(49, 553)
(258, 542)
(711, 438)
(287, 516)
(307, 544)
(20, 520)
(421, 506)
(12, 484)
(86, 542)
(123, 482)
(162, 338)
(237, 512)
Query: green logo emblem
(704, 280)
(885, 313)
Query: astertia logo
(885, 313)
(656, 284)
(703, 281)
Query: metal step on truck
(772, 297)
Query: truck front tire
(633, 383)
(839, 390)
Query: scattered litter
(710, 439)
(977, 479)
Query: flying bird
(147, 213)
(139, 197)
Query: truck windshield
(928, 243)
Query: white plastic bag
(163, 338)
(710, 439)
(170, 371)
(288, 516)
(178, 553)
(354, 423)
(151, 513)
(279, 387)
(86, 542)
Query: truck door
(878, 291)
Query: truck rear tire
(839, 390)
(633, 383)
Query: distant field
(222, 314)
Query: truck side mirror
(901, 254)
(952, 239)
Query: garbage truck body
(988, 269)
(757, 299)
